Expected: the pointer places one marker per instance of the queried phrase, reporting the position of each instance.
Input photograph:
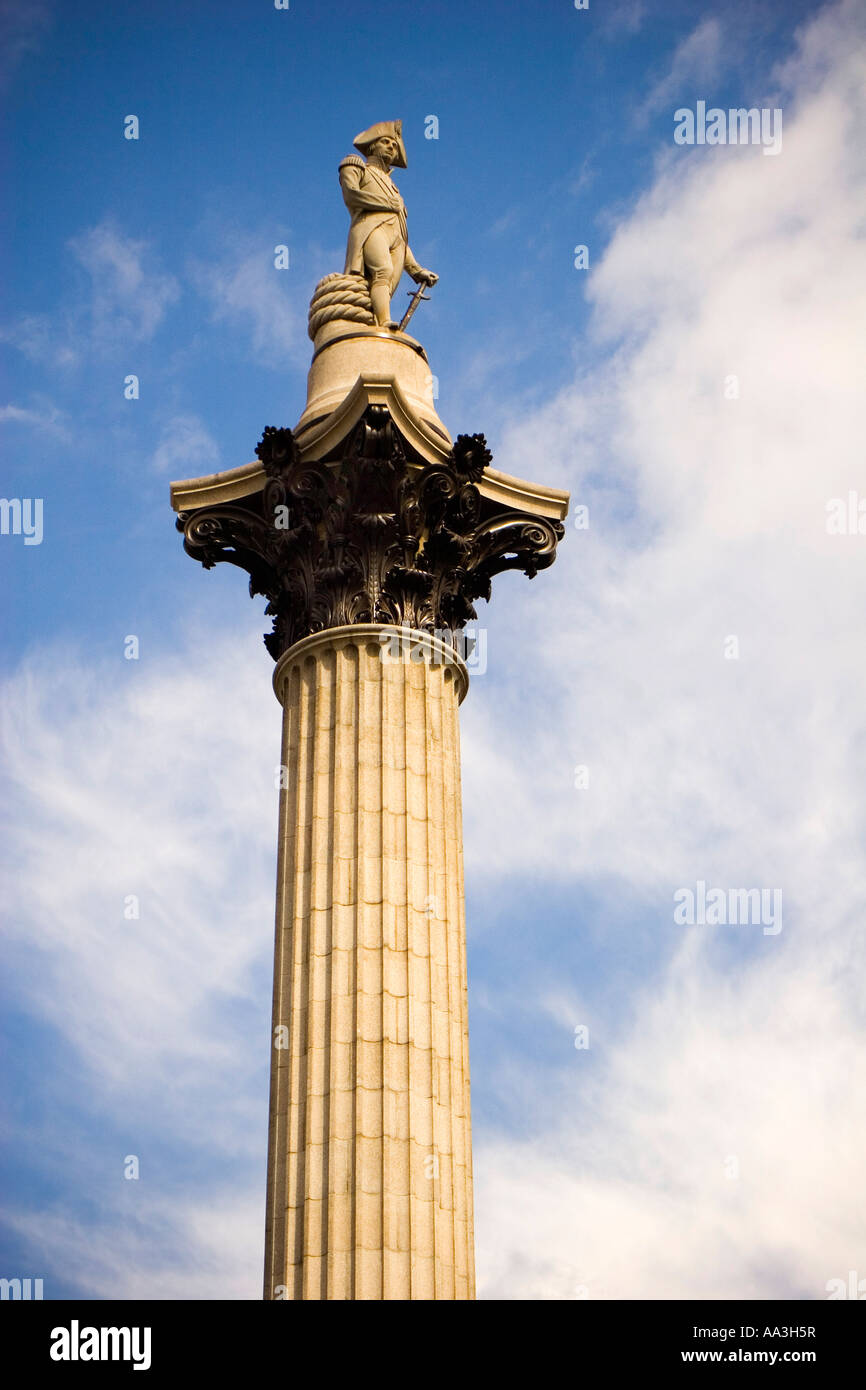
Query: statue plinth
(347, 356)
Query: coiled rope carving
(340, 297)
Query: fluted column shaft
(369, 1158)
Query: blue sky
(155, 777)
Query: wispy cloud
(711, 1151)
(139, 799)
(123, 298)
(129, 294)
(245, 289)
(695, 65)
(145, 955)
(44, 417)
(186, 448)
(43, 338)
(206, 1248)
(622, 17)
(23, 27)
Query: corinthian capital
(374, 536)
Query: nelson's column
(371, 533)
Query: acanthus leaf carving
(369, 537)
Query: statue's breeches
(384, 254)
(377, 251)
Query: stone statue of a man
(378, 245)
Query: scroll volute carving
(370, 538)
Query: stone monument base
(346, 353)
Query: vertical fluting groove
(416, 1225)
(469, 1233)
(463, 1014)
(356, 900)
(276, 1219)
(433, 1158)
(299, 1008)
(457, 1021)
(442, 926)
(395, 1082)
(305, 836)
(369, 1176)
(430, 909)
(310, 1246)
(452, 769)
(421, 1071)
(368, 1145)
(460, 1137)
(402, 706)
(319, 1016)
(385, 752)
(453, 897)
(311, 1268)
(342, 1055)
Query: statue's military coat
(372, 199)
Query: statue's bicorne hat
(363, 141)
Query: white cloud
(42, 339)
(46, 418)
(151, 765)
(129, 295)
(186, 449)
(712, 1151)
(245, 289)
(23, 26)
(154, 779)
(696, 62)
(123, 300)
(621, 17)
(707, 519)
(139, 1247)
